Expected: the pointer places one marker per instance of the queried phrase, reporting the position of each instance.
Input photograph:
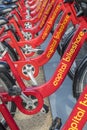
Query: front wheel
(11, 51)
(80, 79)
(63, 46)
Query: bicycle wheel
(6, 82)
(62, 47)
(80, 78)
(11, 51)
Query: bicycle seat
(13, 6)
(2, 6)
(9, 1)
(68, 1)
(5, 11)
(3, 21)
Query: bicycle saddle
(3, 21)
(5, 11)
(68, 1)
(13, 6)
(9, 1)
(2, 6)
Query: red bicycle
(23, 6)
(37, 40)
(35, 63)
(51, 86)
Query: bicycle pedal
(56, 124)
(40, 52)
(45, 109)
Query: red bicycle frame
(54, 83)
(36, 64)
(41, 18)
(33, 20)
(78, 115)
(38, 16)
(34, 9)
(39, 39)
(48, 53)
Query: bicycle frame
(48, 53)
(36, 64)
(41, 9)
(41, 18)
(32, 2)
(49, 29)
(39, 39)
(54, 83)
(77, 118)
(34, 9)
(32, 5)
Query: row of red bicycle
(24, 26)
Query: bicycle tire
(7, 82)
(79, 80)
(11, 51)
(63, 45)
(79, 57)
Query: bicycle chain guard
(27, 35)
(28, 25)
(34, 102)
(25, 68)
(27, 50)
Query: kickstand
(56, 124)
